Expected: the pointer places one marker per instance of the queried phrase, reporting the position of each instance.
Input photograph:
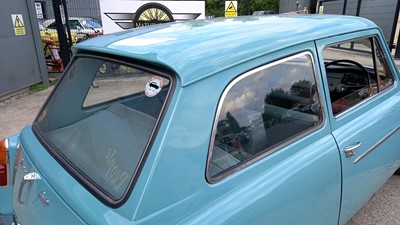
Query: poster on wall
(39, 10)
(118, 15)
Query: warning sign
(321, 9)
(230, 8)
(18, 24)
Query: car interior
(355, 71)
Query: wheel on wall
(152, 13)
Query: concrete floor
(20, 110)
(383, 208)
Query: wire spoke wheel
(151, 14)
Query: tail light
(3, 162)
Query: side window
(263, 109)
(52, 26)
(384, 76)
(74, 24)
(356, 70)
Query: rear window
(101, 118)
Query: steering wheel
(342, 87)
(341, 103)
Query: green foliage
(216, 8)
(257, 5)
(233, 123)
(38, 87)
(301, 88)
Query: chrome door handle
(350, 151)
(28, 178)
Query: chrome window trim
(228, 172)
(366, 100)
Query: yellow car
(51, 48)
(50, 35)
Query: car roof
(200, 48)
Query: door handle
(350, 150)
(28, 178)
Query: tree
(257, 5)
(233, 123)
(215, 8)
(301, 88)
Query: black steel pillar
(59, 10)
(69, 38)
(357, 14)
(394, 27)
(358, 7)
(344, 7)
(397, 52)
(247, 7)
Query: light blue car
(283, 119)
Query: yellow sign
(230, 8)
(321, 9)
(18, 24)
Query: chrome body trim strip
(376, 145)
(365, 100)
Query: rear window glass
(101, 118)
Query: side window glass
(384, 76)
(74, 24)
(356, 70)
(52, 26)
(263, 109)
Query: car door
(361, 85)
